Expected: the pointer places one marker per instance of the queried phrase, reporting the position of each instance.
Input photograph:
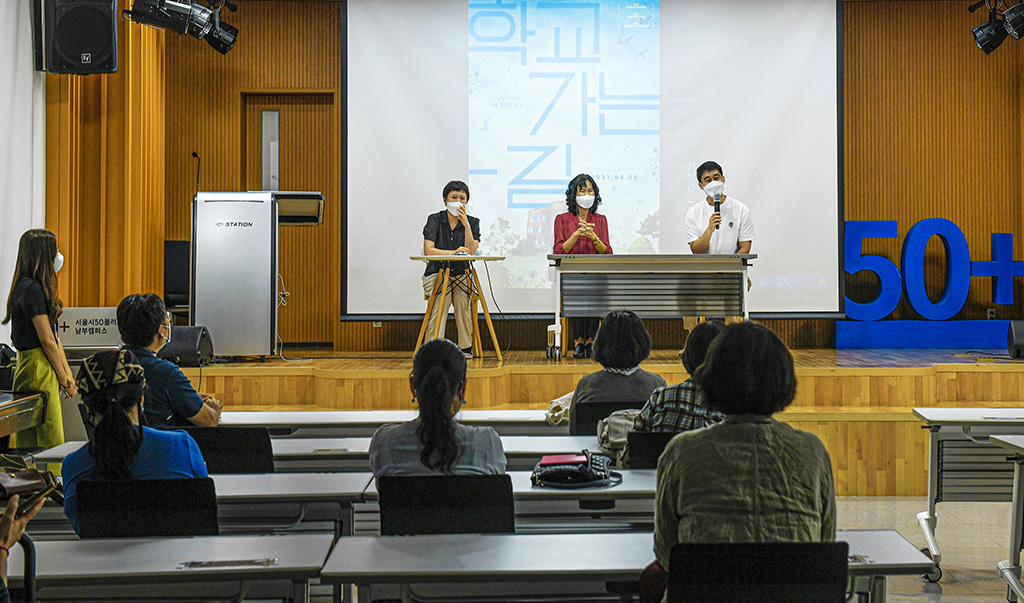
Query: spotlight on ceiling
(185, 16)
(990, 34)
(1013, 19)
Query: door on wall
(287, 143)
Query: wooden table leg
(474, 297)
(442, 312)
(487, 314)
(426, 317)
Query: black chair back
(795, 572)
(446, 504)
(646, 446)
(177, 273)
(234, 449)
(147, 508)
(584, 417)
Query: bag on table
(558, 411)
(17, 478)
(569, 471)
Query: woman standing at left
(32, 310)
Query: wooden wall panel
(104, 181)
(932, 130)
(283, 48)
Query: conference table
(342, 423)
(353, 453)
(184, 568)
(963, 464)
(1010, 568)
(578, 559)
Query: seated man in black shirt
(145, 327)
(448, 232)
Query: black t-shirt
(27, 300)
(441, 233)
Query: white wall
(22, 141)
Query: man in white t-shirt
(735, 230)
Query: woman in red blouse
(582, 230)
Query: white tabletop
(547, 557)
(1013, 443)
(330, 418)
(319, 448)
(972, 417)
(291, 487)
(145, 560)
(456, 258)
(636, 484)
(286, 449)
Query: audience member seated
(622, 343)
(112, 385)
(681, 407)
(749, 478)
(145, 326)
(435, 443)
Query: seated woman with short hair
(749, 478)
(622, 343)
(113, 385)
(435, 443)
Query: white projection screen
(515, 97)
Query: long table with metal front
(560, 558)
(346, 423)
(184, 568)
(963, 465)
(1010, 568)
(353, 454)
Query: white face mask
(453, 207)
(58, 262)
(715, 187)
(585, 201)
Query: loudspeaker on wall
(189, 346)
(75, 36)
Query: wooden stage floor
(859, 402)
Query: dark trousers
(583, 328)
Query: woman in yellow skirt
(32, 310)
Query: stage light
(185, 16)
(990, 34)
(1013, 20)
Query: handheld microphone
(718, 206)
(199, 165)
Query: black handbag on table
(570, 471)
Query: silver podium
(234, 271)
(652, 286)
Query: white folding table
(962, 464)
(574, 558)
(155, 563)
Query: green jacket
(747, 479)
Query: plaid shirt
(677, 407)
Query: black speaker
(189, 346)
(78, 36)
(1015, 339)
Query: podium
(651, 285)
(440, 292)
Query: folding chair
(584, 417)
(646, 446)
(147, 508)
(234, 449)
(446, 504)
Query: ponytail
(439, 370)
(114, 439)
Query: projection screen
(516, 97)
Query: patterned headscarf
(106, 369)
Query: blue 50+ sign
(909, 276)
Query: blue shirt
(170, 398)
(163, 455)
